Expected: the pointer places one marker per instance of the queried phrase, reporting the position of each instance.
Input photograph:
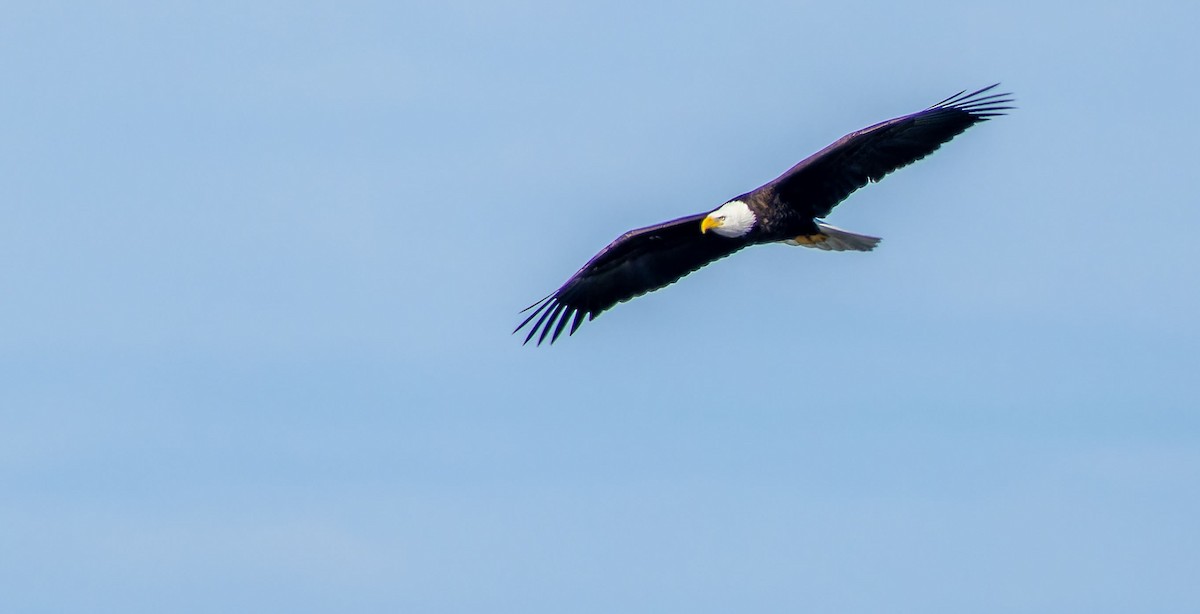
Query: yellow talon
(811, 239)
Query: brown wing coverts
(815, 185)
(638, 262)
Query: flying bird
(787, 210)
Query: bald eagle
(786, 210)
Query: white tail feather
(839, 240)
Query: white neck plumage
(733, 219)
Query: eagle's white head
(733, 219)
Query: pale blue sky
(260, 263)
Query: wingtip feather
(553, 313)
(979, 103)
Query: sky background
(260, 262)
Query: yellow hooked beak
(709, 222)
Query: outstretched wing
(638, 262)
(821, 181)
